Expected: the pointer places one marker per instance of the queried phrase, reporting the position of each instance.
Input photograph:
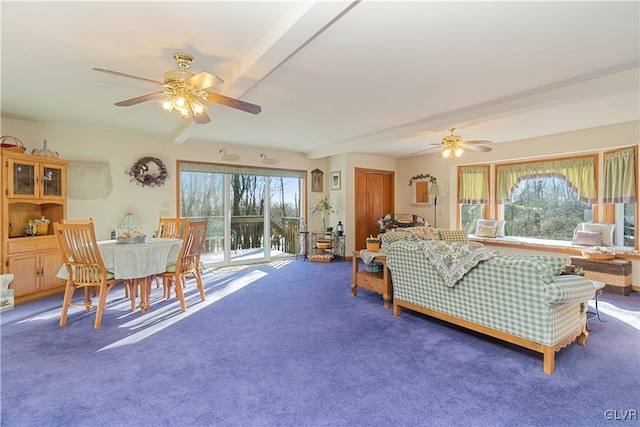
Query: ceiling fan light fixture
(458, 152)
(196, 106)
(167, 103)
(446, 153)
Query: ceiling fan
(185, 91)
(452, 146)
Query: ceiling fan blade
(234, 103)
(477, 148)
(116, 73)
(202, 118)
(424, 151)
(139, 99)
(204, 80)
(480, 141)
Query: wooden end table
(374, 282)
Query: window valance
(620, 177)
(580, 174)
(474, 185)
(240, 170)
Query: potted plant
(373, 244)
(324, 206)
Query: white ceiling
(384, 78)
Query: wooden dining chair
(188, 262)
(85, 268)
(172, 228)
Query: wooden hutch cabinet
(32, 187)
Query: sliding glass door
(253, 214)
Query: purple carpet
(288, 345)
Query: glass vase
(324, 224)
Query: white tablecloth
(136, 260)
(368, 256)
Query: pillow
(487, 230)
(499, 223)
(587, 238)
(605, 229)
(392, 236)
(421, 233)
(459, 236)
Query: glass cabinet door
(22, 178)
(52, 181)
(35, 180)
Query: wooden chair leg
(87, 299)
(66, 302)
(199, 284)
(129, 286)
(180, 292)
(102, 302)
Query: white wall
(121, 150)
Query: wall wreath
(148, 172)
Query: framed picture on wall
(335, 180)
(316, 180)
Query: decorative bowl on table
(323, 245)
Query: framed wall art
(335, 180)
(316, 180)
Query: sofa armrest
(568, 289)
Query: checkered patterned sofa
(516, 298)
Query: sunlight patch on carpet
(630, 317)
(156, 320)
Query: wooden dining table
(137, 262)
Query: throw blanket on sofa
(453, 260)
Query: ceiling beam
(619, 81)
(287, 39)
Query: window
(545, 208)
(620, 194)
(473, 195)
(469, 216)
(546, 199)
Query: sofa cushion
(587, 238)
(420, 233)
(459, 236)
(393, 236)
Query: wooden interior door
(374, 198)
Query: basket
(594, 255)
(11, 143)
(374, 267)
(373, 245)
(42, 228)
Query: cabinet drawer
(31, 244)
